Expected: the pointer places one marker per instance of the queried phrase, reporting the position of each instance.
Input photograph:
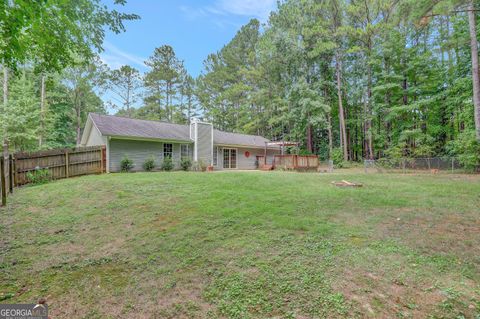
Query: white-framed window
(167, 150)
(215, 156)
(184, 151)
(229, 158)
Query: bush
(337, 158)
(167, 164)
(185, 163)
(466, 149)
(39, 176)
(126, 164)
(149, 164)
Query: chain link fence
(412, 165)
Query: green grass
(245, 245)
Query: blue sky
(193, 28)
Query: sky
(194, 28)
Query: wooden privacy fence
(60, 163)
(296, 161)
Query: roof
(110, 125)
(225, 138)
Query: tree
(81, 81)
(161, 82)
(23, 116)
(475, 69)
(53, 32)
(125, 83)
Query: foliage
(467, 149)
(124, 83)
(185, 163)
(162, 82)
(126, 164)
(406, 87)
(52, 33)
(167, 164)
(337, 157)
(39, 176)
(149, 164)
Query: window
(167, 150)
(229, 158)
(215, 155)
(184, 151)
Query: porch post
(265, 156)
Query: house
(199, 141)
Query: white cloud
(256, 8)
(222, 8)
(115, 57)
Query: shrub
(149, 164)
(185, 163)
(39, 176)
(337, 158)
(466, 149)
(126, 164)
(167, 164)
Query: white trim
(107, 149)
(188, 150)
(195, 145)
(247, 146)
(230, 161)
(211, 157)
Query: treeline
(350, 79)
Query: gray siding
(204, 143)
(139, 151)
(244, 162)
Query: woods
(350, 80)
(388, 79)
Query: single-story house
(199, 141)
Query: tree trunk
(309, 138)
(341, 113)
(5, 105)
(368, 115)
(330, 137)
(42, 112)
(475, 78)
(79, 127)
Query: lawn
(245, 245)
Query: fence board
(296, 161)
(61, 163)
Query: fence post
(453, 167)
(10, 173)
(3, 187)
(67, 164)
(15, 175)
(101, 160)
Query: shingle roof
(121, 126)
(110, 125)
(220, 137)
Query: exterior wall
(139, 151)
(95, 138)
(244, 162)
(204, 142)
